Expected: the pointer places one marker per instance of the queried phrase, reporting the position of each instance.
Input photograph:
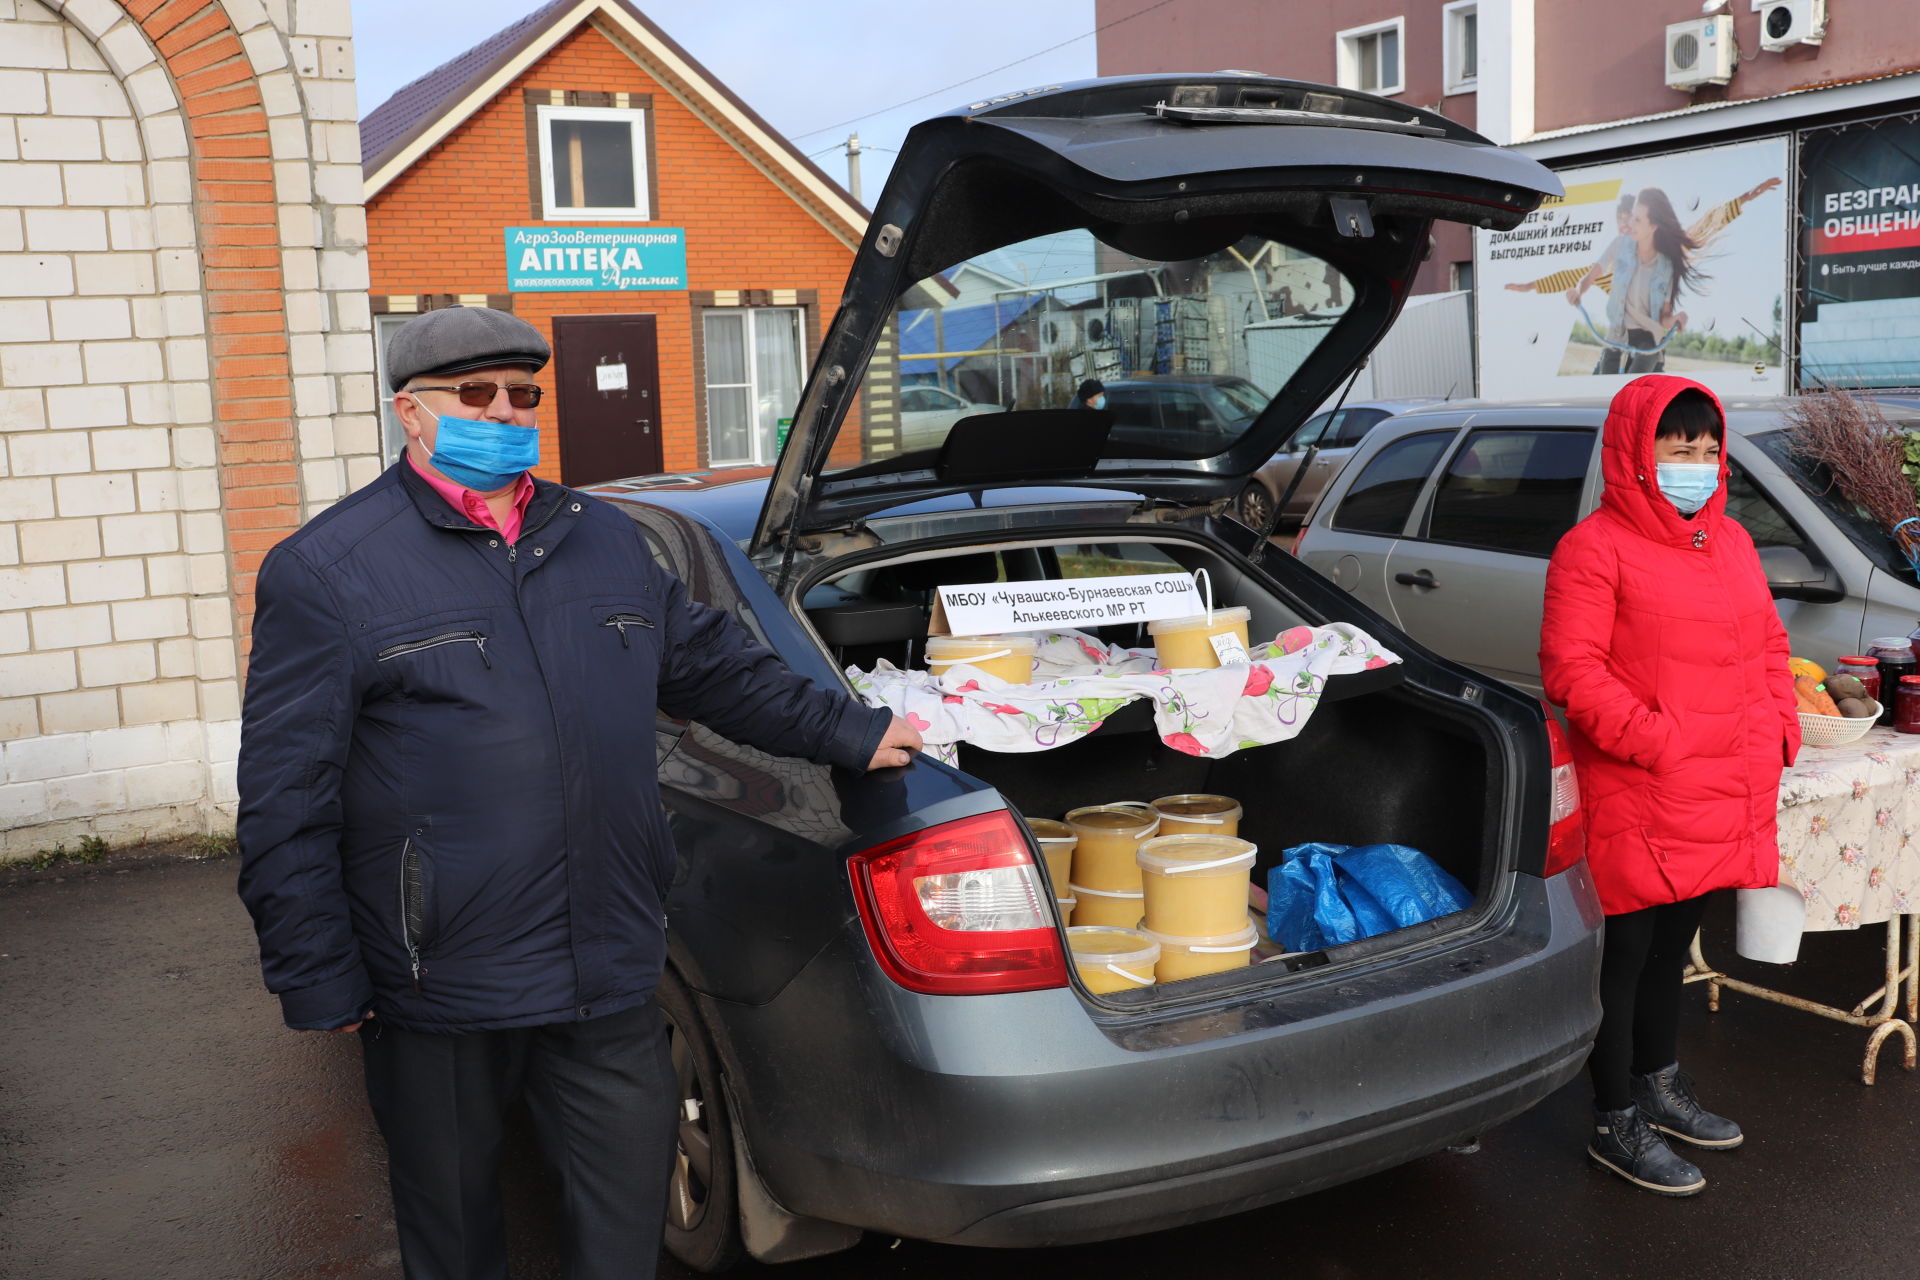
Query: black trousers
(1641, 963)
(604, 1105)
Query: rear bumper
(1173, 1202)
(1031, 1120)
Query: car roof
(1746, 415)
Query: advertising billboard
(1860, 246)
(1663, 264)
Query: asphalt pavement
(156, 1122)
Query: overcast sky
(808, 66)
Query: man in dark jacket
(450, 839)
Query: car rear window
(1512, 489)
(1190, 352)
(1382, 496)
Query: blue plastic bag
(1326, 894)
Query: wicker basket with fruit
(1834, 713)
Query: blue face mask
(1688, 485)
(484, 456)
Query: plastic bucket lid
(969, 648)
(1196, 855)
(1222, 944)
(1048, 831)
(1080, 889)
(1237, 615)
(1123, 816)
(1103, 945)
(1198, 808)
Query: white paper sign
(610, 377)
(988, 608)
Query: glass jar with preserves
(1895, 657)
(1906, 714)
(1864, 669)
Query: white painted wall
(119, 690)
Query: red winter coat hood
(1626, 464)
(1662, 642)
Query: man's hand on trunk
(897, 747)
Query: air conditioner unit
(1786, 23)
(1700, 51)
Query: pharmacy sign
(595, 259)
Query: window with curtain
(754, 369)
(1461, 46)
(1368, 58)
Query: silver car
(1334, 434)
(1444, 519)
(928, 413)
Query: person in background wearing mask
(452, 839)
(1091, 395)
(1661, 640)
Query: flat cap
(459, 339)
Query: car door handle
(1424, 578)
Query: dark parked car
(1190, 415)
(874, 1020)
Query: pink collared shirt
(474, 507)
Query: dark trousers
(1641, 963)
(604, 1105)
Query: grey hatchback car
(873, 1018)
(1445, 519)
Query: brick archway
(215, 79)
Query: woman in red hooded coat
(1662, 642)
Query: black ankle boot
(1626, 1144)
(1665, 1098)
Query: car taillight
(960, 909)
(1567, 837)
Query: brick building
(581, 170)
(1800, 112)
(185, 375)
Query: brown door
(608, 376)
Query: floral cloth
(1078, 682)
(1848, 816)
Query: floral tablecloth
(1078, 682)
(1848, 818)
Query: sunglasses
(478, 395)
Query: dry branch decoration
(1866, 455)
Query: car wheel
(1256, 506)
(703, 1204)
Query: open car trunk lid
(1160, 184)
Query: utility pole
(853, 167)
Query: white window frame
(1453, 20)
(1346, 48)
(638, 124)
(751, 345)
(393, 440)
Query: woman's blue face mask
(1688, 485)
(484, 456)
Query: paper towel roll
(1767, 924)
